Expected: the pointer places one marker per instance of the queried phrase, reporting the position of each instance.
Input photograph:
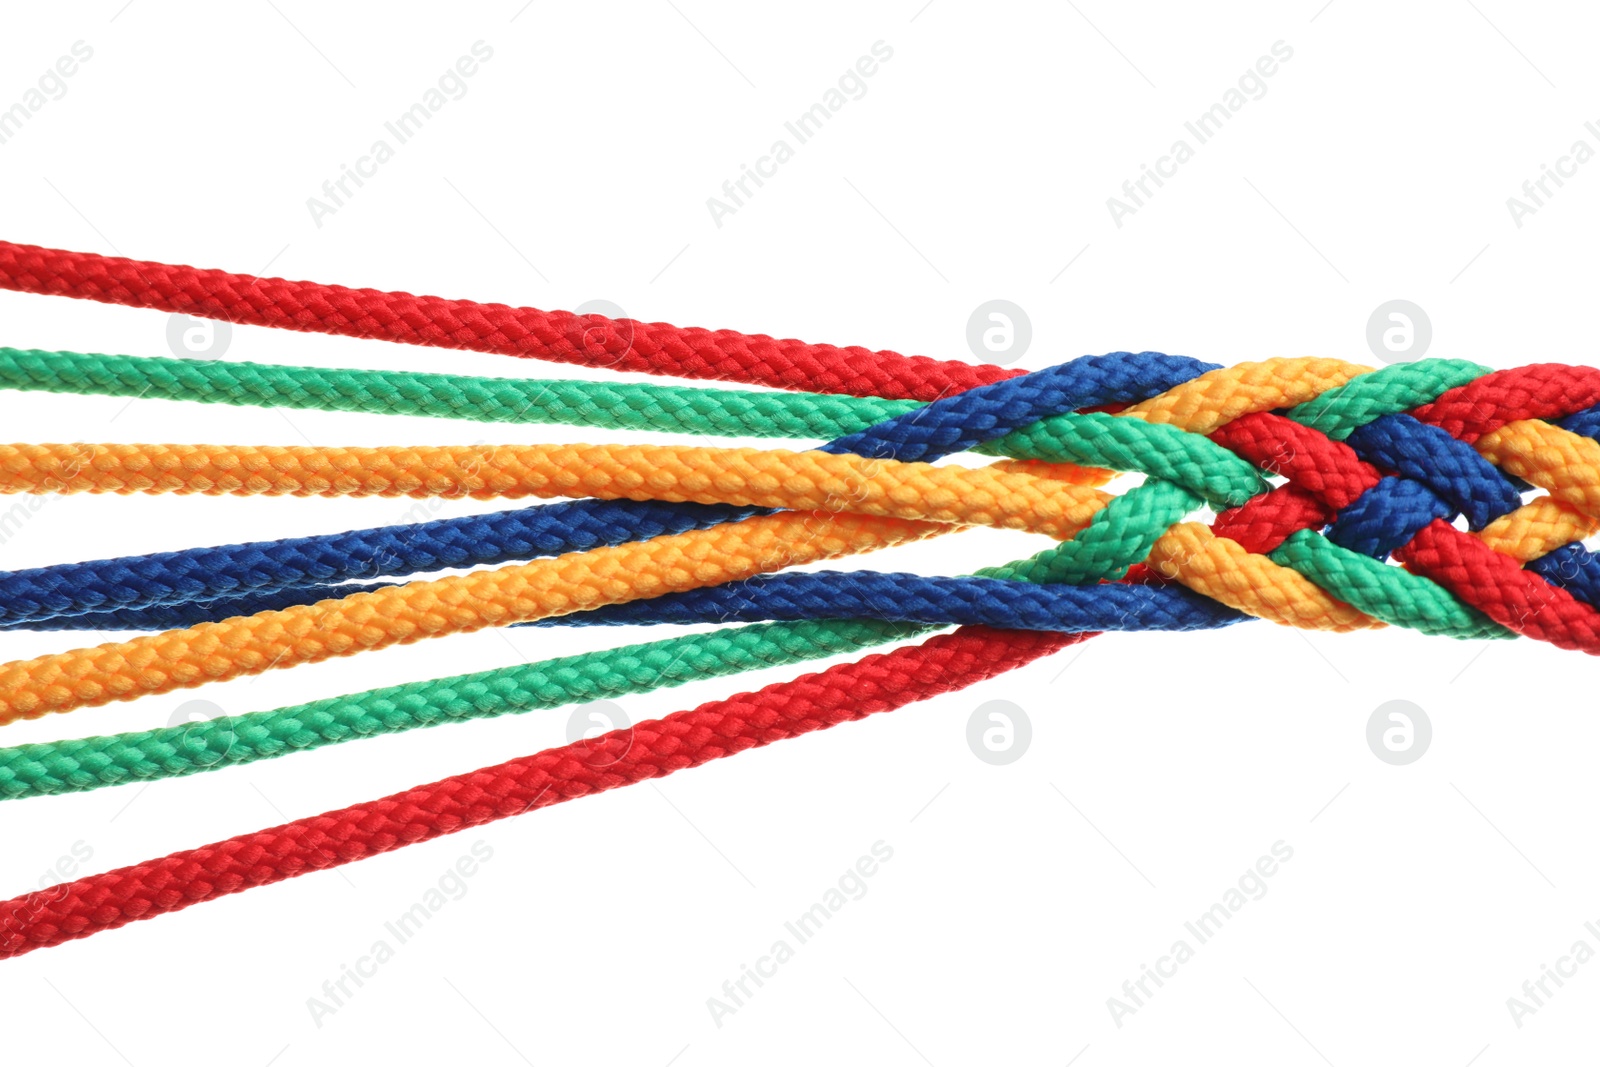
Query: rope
(147, 755)
(602, 405)
(108, 760)
(648, 750)
(39, 597)
(749, 477)
(587, 340)
(1103, 551)
(275, 640)
(1220, 567)
(1367, 466)
(1117, 535)
(662, 408)
(99, 589)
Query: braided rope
(44, 594)
(1365, 583)
(1101, 552)
(1376, 465)
(1233, 404)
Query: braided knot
(1437, 495)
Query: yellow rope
(838, 503)
(216, 651)
(1054, 501)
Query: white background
(977, 166)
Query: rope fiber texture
(648, 750)
(587, 340)
(1437, 495)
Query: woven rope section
(1438, 496)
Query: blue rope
(1451, 468)
(105, 590)
(261, 567)
(1010, 605)
(1438, 477)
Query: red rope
(1537, 391)
(876, 683)
(590, 340)
(1325, 476)
(1496, 585)
(1306, 457)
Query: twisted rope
(1374, 465)
(1233, 405)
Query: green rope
(1392, 389)
(1184, 469)
(609, 405)
(173, 751)
(1158, 451)
(1391, 594)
